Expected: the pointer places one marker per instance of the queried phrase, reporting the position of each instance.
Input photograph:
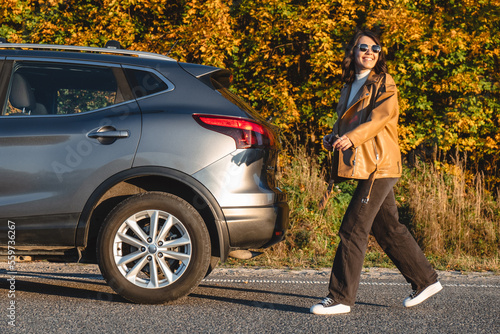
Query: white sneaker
(417, 297)
(329, 306)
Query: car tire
(153, 248)
(214, 262)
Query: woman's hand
(342, 144)
(328, 141)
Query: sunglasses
(365, 47)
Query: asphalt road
(73, 298)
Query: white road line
(215, 280)
(247, 281)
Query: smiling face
(365, 61)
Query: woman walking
(365, 144)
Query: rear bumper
(255, 210)
(257, 227)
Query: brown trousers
(380, 215)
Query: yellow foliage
(286, 55)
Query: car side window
(144, 83)
(38, 88)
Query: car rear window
(221, 82)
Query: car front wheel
(153, 248)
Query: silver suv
(148, 166)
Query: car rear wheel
(153, 248)
(214, 262)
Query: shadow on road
(267, 292)
(67, 277)
(64, 287)
(260, 304)
(93, 287)
(253, 303)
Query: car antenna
(112, 44)
(172, 47)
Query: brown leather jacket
(370, 122)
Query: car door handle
(109, 134)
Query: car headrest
(21, 95)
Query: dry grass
(312, 237)
(452, 218)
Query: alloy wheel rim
(152, 249)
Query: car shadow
(62, 284)
(93, 287)
(89, 290)
(67, 277)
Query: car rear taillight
(246, 133)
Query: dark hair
(348, 64)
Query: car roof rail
(111, 48)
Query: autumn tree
(445, 58)
(286, 55)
